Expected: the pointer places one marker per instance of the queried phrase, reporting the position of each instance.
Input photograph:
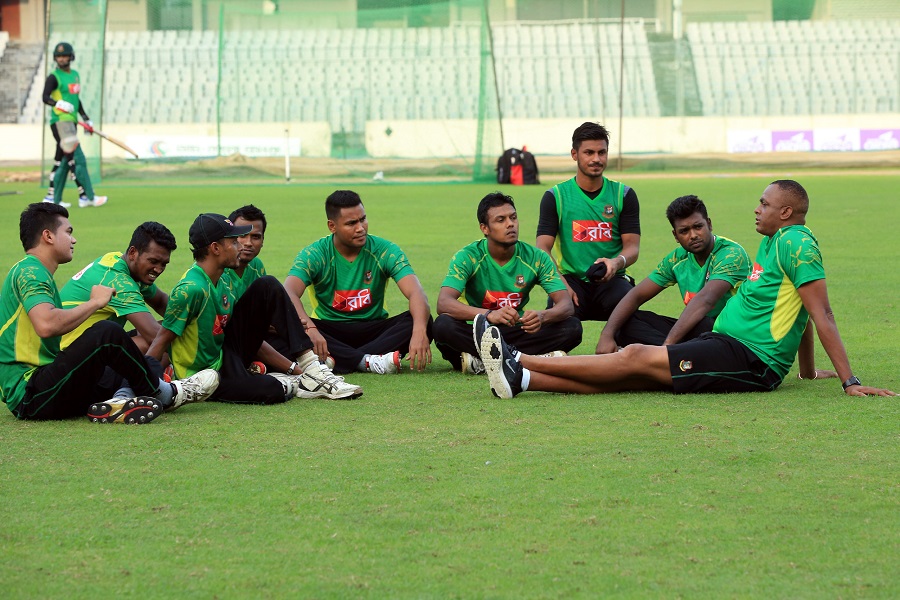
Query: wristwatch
(854, 380)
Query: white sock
(526, 379)
(306, 359)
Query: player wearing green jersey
(40, 381)
(250, 266)
(133, 275)
(205, 327)
(708, 270)
(497, 275)
(347, 273)
(62, 91)
(591, 221)
(753, 343)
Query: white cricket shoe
(290, 383)
(83, 202)
(384, 364)
(196, 388)
(471, 364)
(317, 381)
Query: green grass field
(429, 487)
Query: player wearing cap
(708, 270)
(347, 273)
(497, 275)
(206, 327)
(589, 220)
(62, 91)
(133, 275)
(40, 381)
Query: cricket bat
(113, 140)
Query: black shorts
(715, 363)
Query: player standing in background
(497, 274)
(62, 91)
(591, 220)
(348, 272)
(708, 270)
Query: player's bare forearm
(448, 304)
(268, 355)
(161, 342)
(815, 299)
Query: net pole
(221, 47)
(621, 81)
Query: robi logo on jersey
(74, 88)
(688, 296)
(351, 300)
(497, 300)
(219, 324)
(591, 231)
(755, 273)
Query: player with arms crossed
(753, 343)
(40, 381)
(497, 275)
(594, 224)
(707, 268)
(348, 272)
(62, 91)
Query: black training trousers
(265, 304)
(452, 336)
(350, 341)
(69, 385)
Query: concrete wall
(693, 135)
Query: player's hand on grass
(419, 353)
(64, 106)
(864, 390)
(819, 374)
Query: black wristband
(854, 380)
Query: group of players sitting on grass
(231, 333)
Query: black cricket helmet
(64, 49)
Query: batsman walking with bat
(61, 91)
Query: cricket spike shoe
(137, 411)
(503, 368)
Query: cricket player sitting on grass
(707, 268)
(62, 91)
(497, 275)
(348, 272)
(250, 268)
(206, 328)
(133, 275)
(40, 381)
(753, 343)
